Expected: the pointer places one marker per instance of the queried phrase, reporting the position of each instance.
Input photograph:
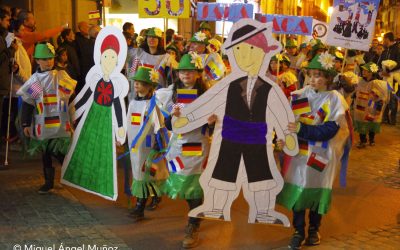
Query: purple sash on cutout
(244, 132)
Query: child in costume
(143, 186)
(322, 131)
(188, 152)
(45, 118)
(90, 164)
(369, 104)
(150, 54)
(282, 75)
(214, 67)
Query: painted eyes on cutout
(239, 47)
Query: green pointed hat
(282, 58)
(303, 45)
(155, 32)
(146, 75)
(199, 37)
(324, 62)
(171, 46)
(44, 51)
(205, 25)
(291, 43)
(317, 44)
(191, 61)
(371, 67)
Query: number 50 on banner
(164, 8)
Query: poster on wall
(352, 23)
(164, 9)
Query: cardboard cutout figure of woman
(249, 107)
(90, 164)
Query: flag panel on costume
(307, 119)
(38, 130)
(35, 90)
(52, 122)
(360, 108)
(135, 65)
(213, 71)
(67, 126)
(50, 99)
(39, 108)
(192, 149)
(363, 95)
(66, 87)
(369, 118)
(317, 162)
(175, 165)
(321, 114)
(186, 95)
(148, 141)
(303, 147)
(321, 144)
(301, 106)
(136, 118)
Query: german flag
(50, 99)
(52, 122)
(303, 147)
(192, 149)
(186, 95)
(135, 118)
(39, 108)
(301, 106)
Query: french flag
(175, 165)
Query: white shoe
(213, 214)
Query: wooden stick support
(344, 61)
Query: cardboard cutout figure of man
(249, 107)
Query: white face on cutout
(108, 61)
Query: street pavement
(364, 215)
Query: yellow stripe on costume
(325, 107)
(68, 84)
(187, 91)
(192, 153)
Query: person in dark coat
(5, 58)
(84, 50)
(391, 52)
(67, 41)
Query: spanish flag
(135, 118)
(52, 122)
(50, 99)
(363, 96)
(39, 107)
(192, 149)
(186, 95)
(301, 106)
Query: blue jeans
(299, 221)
